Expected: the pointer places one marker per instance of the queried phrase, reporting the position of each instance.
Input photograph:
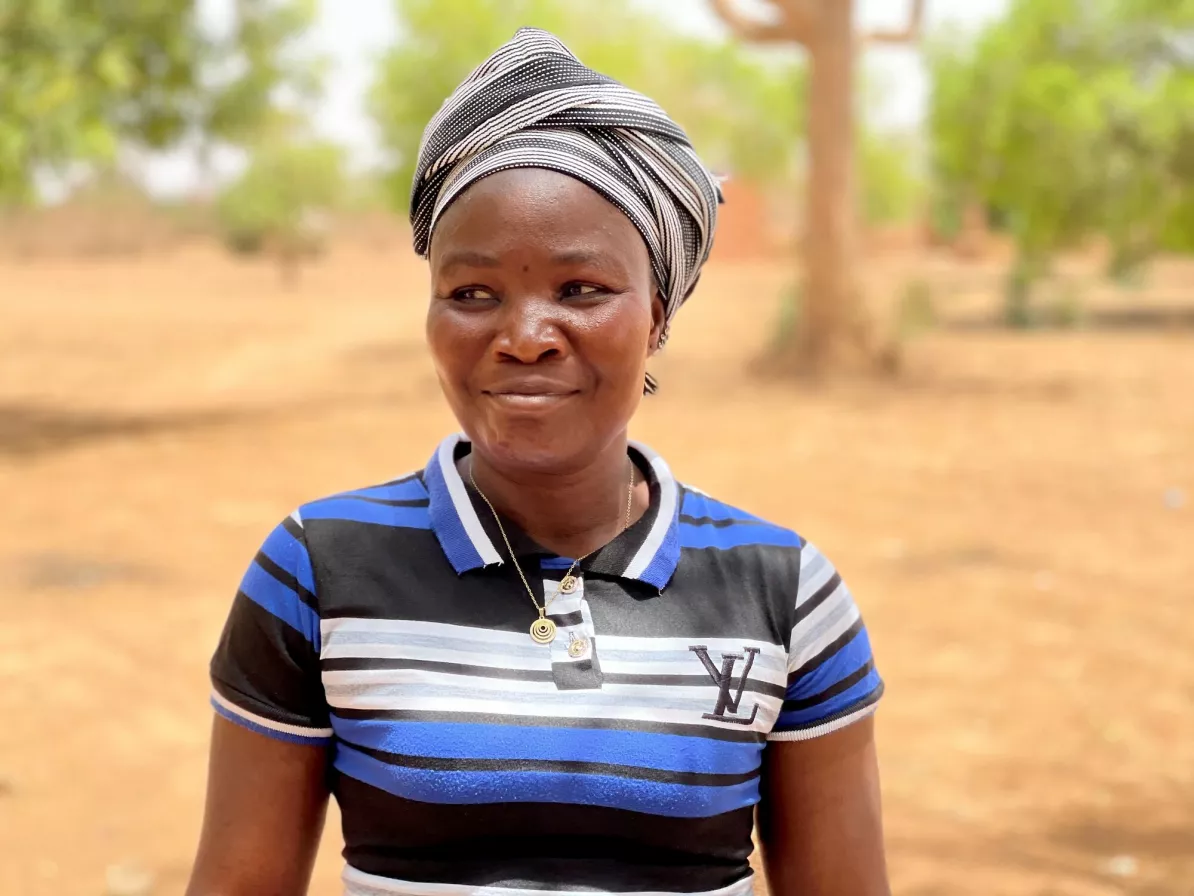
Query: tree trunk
(831, 333)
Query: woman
(541, 663)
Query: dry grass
(1000, 512)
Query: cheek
(451, 344)
(619, 344)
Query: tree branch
(792, 28)
(907, 35)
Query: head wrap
(533, 104)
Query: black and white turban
(533, 104)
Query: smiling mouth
(530, 399)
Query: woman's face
(543, 314)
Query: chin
(537, 444)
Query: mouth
(529, 399)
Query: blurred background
(952, 299)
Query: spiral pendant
(543, 631)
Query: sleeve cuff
(295, 734)
(827, 726)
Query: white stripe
(358, 883)
(345, 686)
(557, 706)
(828, 727)
(466, 645)
(667, 512)
(682, 645)
(297, 517)
(812, 641)
(460, 500)
(296, 730)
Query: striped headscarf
(533, 104)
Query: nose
(528, 332)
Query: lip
(532, 387)
(531, 394)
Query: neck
(573, 513)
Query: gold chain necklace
(543, 630)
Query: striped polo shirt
(624, 756)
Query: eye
(581, 290)
(472, 295)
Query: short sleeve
(832, 680)
(265, 671)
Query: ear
(658, 320)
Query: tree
(1069, 119)
(744, 114)
(832, 333)
(281, 203)
(77, 77)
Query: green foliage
(79, 76)
(286, 186)
(744, 111)
(892, 187)
(1071, 118)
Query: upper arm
(819, 817)
(820, 823)
(266, 800)
(267, 782)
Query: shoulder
(399, 503)
(706, 522)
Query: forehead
(534, 209)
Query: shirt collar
(648, 551)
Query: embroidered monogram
(724, 679)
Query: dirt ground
(1015, 514)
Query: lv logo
(724, 679)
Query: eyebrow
(468, 258)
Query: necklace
(543, 630)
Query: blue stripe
(849, 657)
(460, 740)
(282, 601)
(365, 512)
(475, 788)
(445, 521)
(833, 706)
(226, 713)
(556, 563)
(704, 506)
(291, 555)
(734, 536)
(405, 490)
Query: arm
(819, 820)
(266, 801)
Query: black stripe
(868, 700)
(261, 663)
(532, 845)
(295, 530)
(630, 772)
(718, 523)
(286, 579)
(832, 691)
(736, 734)
(834, 646)
(353, 663)
(817, 599)
(416, 476)
(563, 620)
(391, 502)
